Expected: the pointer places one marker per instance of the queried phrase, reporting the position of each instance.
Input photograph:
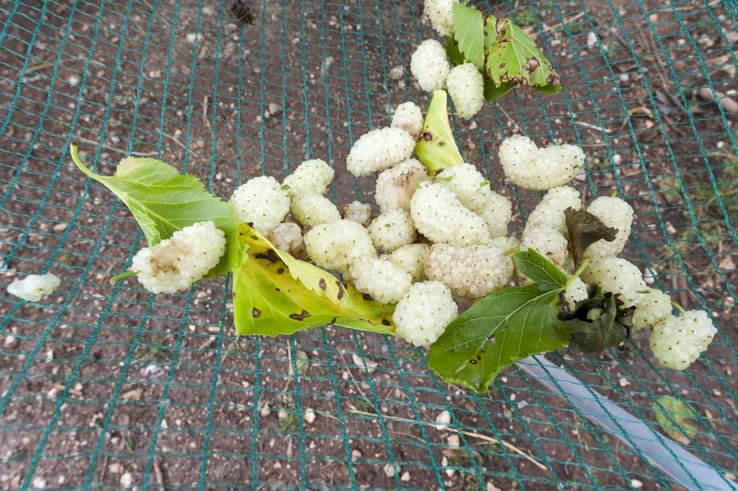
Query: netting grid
(105, 386)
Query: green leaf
(164, 201)
(469, 34)
(511, 56)
(502, 328)
(455, 56)
(539, 269)
(436, 148)
(585, 229)
(598, 323)
(676, 418)
(493, 92)
(275, 293)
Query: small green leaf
(539, 269)
(585, 229)
(676, 418)
(493, 92)
(436, 148)
(502, 328)
(598, 323)
(469, 33)
(452, 52)
(274, 294)
(511, 56)
(164, 201)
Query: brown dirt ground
(104, 386)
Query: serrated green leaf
(164, 201)
(469, 33)
(436, 148)
(539, 269)
(275, 293)
(676, 418)
(585, 229)
(502, 328)
(511, 56)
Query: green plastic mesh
(104, 386)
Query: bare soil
(105, 386)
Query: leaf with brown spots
(275, 293)
(512, 58)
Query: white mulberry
(618, 276)
(311, 209)
(653, 307)
(429, 65)
(409, 117)
(550, 210)
(379, 149)
(175, 263)
(545, 240)
(311, 176)
(336, 245)
(440, 14)
(465, 85)
(470, 272)
(392, 230)
(441, 217)
(543, 168)
(383, 280)
(422, 315)
(411, 259)
(395, 186)
(358, 212)
(616, 213)
(34, 287)
(676, 342)
(262, 202)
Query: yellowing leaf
(436, 149)
(275, 293)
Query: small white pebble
(39, 482)
(453, 441)
(389, 470)
(443, 419)
(636, 483)
(309, 416)
(126, 479)
(264, 411)
(405, 477)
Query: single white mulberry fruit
(470, 272)
(392, 230)
(618, 276)
(543, 168)
(409, 117)
(440, 14)
(383, 280)
(395, 186)
(422, 315)
(379, 149)
(262, 202)
(429, 65)
(441, 217)
(336, 245)
(676, 342)
(465, 85)
(311, 176)
(174, 264)
(311, 209)
(34, 287)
